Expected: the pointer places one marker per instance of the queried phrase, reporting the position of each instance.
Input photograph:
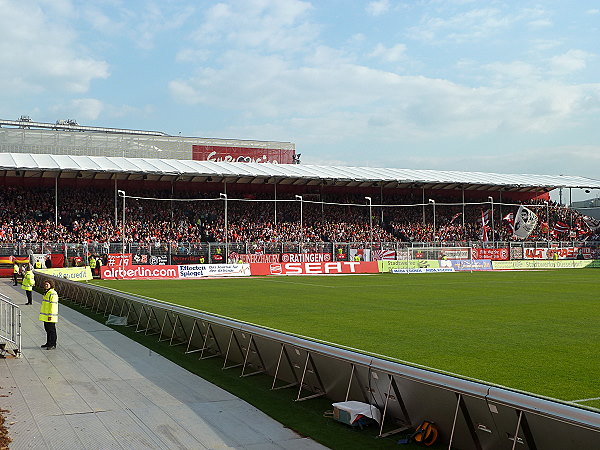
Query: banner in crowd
(388, 266)
(185, 259)
(543, 264)
(314, 268)
(562, 253)
(496, 254)
(525, 222)
(184, 272)
(384, 255)
(363, 253)
(304, 257)
(461, 265)
(119, 259)
(70, 273)
(255, 257)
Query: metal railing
(469, 414)
(10, 327)
(213, 252)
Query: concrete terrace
(101, 390)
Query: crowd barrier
(10, 327)
(469, 414)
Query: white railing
(10, 327)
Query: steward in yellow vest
(38, 264)
(49, 314)
(15, 273)
(28, 283)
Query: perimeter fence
(220, 252)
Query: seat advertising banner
(314, 268)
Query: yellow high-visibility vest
(92, 263)
(49, 308)
(16, 268)
(28, 281)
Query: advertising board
(70, 273)
(542, 264)
(242, 154)
(183, 272)
(314, 268)
(460, 265)
(495, 254)
(388, 266)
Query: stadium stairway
(98, 390)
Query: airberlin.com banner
(314, 268)
(188, 272)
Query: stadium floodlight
(299, 197)
(370, 220)
(433, 203)
(491, 199)
(547, 221)
(121, 193)
(224, 197)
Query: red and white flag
(561, 227)
(510, 220)
(455, 216)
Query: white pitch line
(585, 400)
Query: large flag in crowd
(525, 222)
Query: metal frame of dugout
(468, 414)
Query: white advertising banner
(214, 270)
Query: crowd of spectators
(93, 215)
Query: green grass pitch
(534, 331)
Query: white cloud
(39, 54)
(378, 7)
(271, 25)
(569, 62)
(392, 54)
(593, 11)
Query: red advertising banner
(138, 272)
(305, 257)
(314, 268)
(118, 259)
(495, 254)
(242, 154)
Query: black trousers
(50, 328)
(29, 296)
(15, 278)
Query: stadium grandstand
(79, 190)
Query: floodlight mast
(433, 203)
(491, 199)
(299, 197)
(370, 220)
(224, 197)
(547, 221)
(121, 193)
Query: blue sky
(496, 86)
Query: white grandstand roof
(99, 167)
